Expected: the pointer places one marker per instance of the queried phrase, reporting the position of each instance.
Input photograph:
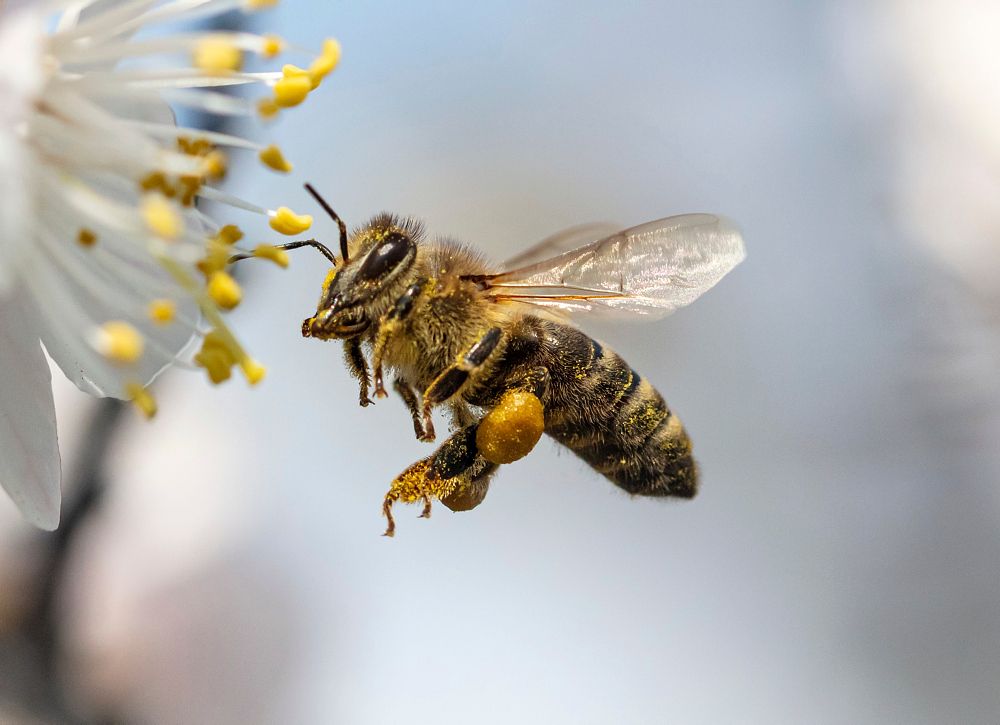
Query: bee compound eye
(384, 257)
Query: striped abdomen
(606, 413)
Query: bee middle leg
(410, 398)
(453, 377)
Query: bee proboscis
(497, 347)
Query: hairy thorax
(450, 315)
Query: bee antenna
(333, 215)
(291, 245)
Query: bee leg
(453, 377)
(419, 482)
(389, 325)
(410, 398)
(358, 367)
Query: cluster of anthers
(101, 186)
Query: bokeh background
(841, 387)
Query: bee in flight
(498, 349)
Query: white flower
(104, 257)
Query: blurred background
(841, 388)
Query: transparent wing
(561, 241)
(649, 270)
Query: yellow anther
(326, 62)
(142, 399)
(154, 181)
(229, 234)
(509, 431)
(274, 159)
(224, 290)
(119, 342)
(215, 164)
(292, 90)
(86, 238)
(273, 45)
(285, 221)
(162, 312)
(161, 216)
(268, 251)
(252, 370)
(217, 55)
(267, 108)
(216, 356)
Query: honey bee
(498, 349)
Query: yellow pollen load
(285, 221)
(293, 88)
(509, 431)
(217, 55)
(120, 342)
(224, 290)
(274, 159)
(161, 216)
(86, 238)
(142, 399)
(326, 62)
(268, 251)
(273, 45)
(162, 311)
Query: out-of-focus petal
(29, 452)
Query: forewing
(649, 270)
(562, 241)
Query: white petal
(20, 78)
(29, 450)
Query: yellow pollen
(268, 251)
(259, 4)
(217, 55)
(511, 429)
(292, 89)
(162, 311)
(86, 238)
(285, 221)
(224, 290)
(267, 108)
(161, 217)
(252, 370)
(142, 399)
(120, 342)
(273, 45)
(274, 159)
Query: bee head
(381, 253)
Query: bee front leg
(389, 325)
(359, 368)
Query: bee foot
(390, 522)
(426, 513)
(366, 401)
